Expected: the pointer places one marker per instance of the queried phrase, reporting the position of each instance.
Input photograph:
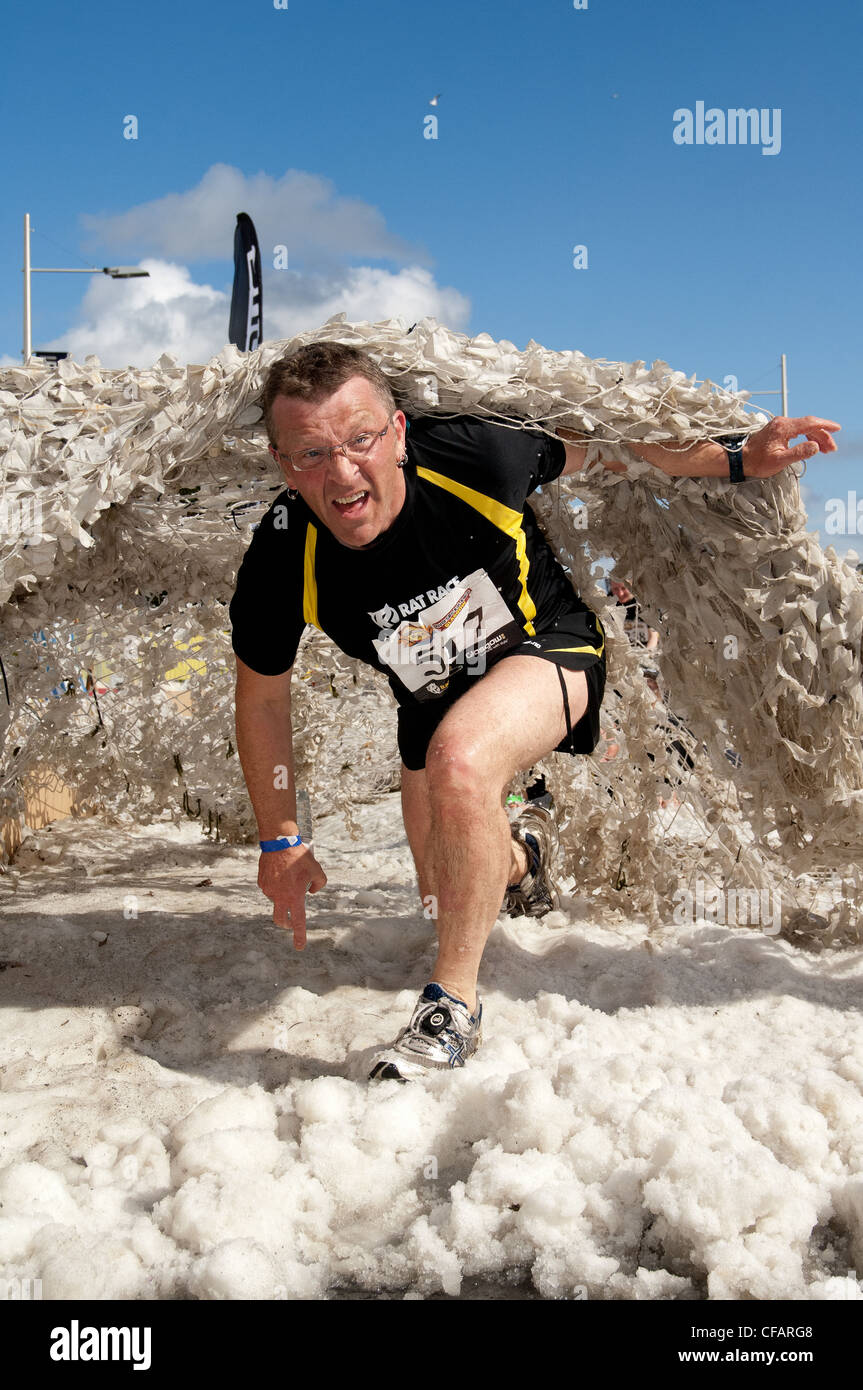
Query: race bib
(457, 633)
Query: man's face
(356, 500)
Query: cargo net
(129, 498)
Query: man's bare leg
(509, 720)
(416, 813)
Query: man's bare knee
(457, 769)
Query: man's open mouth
(352, 504)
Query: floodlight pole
(116, 272)
(783, 391)
(28, 342)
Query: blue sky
(555, 129)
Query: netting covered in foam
(128, 501)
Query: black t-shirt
(463, 575)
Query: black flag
(246, 324)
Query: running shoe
(441, 1035)
(536, 894)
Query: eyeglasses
(304, 460)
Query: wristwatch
(733, 446)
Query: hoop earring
(292, 494)
(400, 463)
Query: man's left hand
(769, 450)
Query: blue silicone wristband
(283, 842)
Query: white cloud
(362, 292)
(132, 322)
(299, 210)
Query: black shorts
(563, 643)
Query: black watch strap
(733, 446)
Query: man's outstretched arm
(765, 452)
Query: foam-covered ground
(651, 1116)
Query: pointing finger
(298, 922)
(804, 423)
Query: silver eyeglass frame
(327, 451)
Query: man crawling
(412, 545)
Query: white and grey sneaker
(536, 894)
(442, 1034)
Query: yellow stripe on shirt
(310, 583)
(506, 520)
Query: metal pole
(784, 387)
(28, 340)
(117, 272)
